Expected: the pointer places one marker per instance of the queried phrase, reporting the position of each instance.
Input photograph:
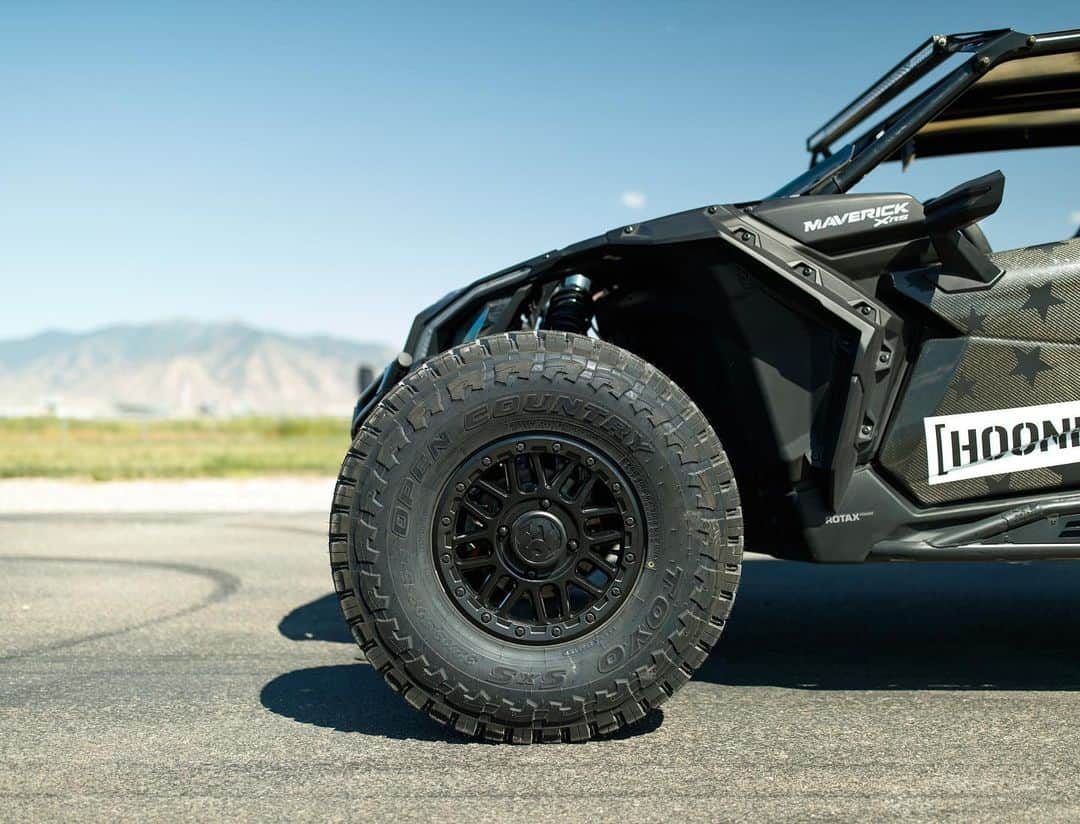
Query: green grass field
(108, 450)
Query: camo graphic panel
(961, 375)
(1037, 299)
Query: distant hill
(182, 368)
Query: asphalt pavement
(194, 666)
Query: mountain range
(182, 368)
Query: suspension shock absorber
(570, 308)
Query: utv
(538, 530)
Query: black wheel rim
(538, 539)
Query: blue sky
(335, 167)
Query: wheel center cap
(538, 538)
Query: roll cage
(975, 107)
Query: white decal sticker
(881, 215)
(847, 518)
(1002, 441)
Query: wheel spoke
(564, 599)
(491, 489)
(475, 563)
(489, 585)
(603, 566)
(471, 537)
(586, 489)
(511, 598)
(599, 511)
(607, 536)
(593, 590)
(538, 604)
(538, 471)
(512, 481)
(563, 474)
(475, 511)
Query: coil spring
(570, 308)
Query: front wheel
(536, 537)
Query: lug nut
(520, 447)
(616, 487)
(460, 487)
(445, 520)
(445, 558)
(556, 632)
(503, 530)
(520, 631)
(630, 522)
(589, 618)
(556, 447)
(460, 592)
(486, 461)
(545, 504)
(590, 461)
(616, 592)
(629, 557)
(486, 617)
(572, 544)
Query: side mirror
(958, 209)
(966, 204)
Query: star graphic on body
(964, 387)
(1030, 364)
(975, 322)
(998, 484)
(1042, 299)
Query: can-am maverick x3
(538, 530)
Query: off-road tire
(383, 515)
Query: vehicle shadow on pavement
(353, 697)
(318, 620)
(350, 698)
(977, 626)
(932, 626)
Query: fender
(875, 347)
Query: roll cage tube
(920, 62)
(887, 137)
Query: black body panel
(837, 224)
